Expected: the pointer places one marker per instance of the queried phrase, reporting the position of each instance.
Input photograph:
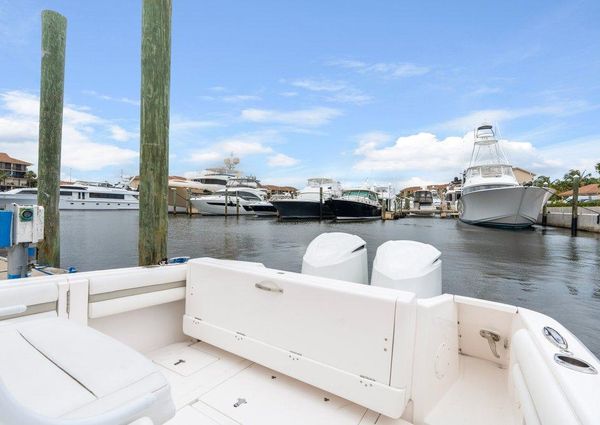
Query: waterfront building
(12, 172)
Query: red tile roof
(4, 157)
(588, 189)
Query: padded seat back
(317, 324)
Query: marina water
(546, 270)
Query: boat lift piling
(154, 130)
(226, 201)
(320, 203)
(54, 34)
(174, 191)
(237, 204)
(574, 206)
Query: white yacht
(230, 342)
(491, 195)
(251, 201)
(78, 196)
(307, 205)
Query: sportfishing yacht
(307, 205)
(78, 196)
(242, 201)
(423, 203)
(230, 342)
(491, 195)
(356, 204)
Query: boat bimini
(491, 195)
(251, 202)
(228, 342)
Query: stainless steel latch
(492, 338)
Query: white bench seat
(57, 369)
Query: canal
(542, 269)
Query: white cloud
(237, 98)
(320, 85)
(384, 69)
(112, 98)
(428, 159)
(313, 117)
(369, 141)
(239, 145)
(183, 124)
(281, 160)
(288, 93)
(120, 134)
(339, 91)
(19, 134)
(470, 120)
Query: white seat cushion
(61, 369)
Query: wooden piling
(226, 201)
(237, 204)
(574, 206)
(54, 33)
(174, 191)
(320, 203)
(154, 130)
(189, 201)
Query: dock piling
(237, 204)
(320, 203)
(54, 33)
(154, 130)
(574, 206)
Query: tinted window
(106, 195)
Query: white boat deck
(211, 386)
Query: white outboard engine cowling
(337, 256)
(408, 266)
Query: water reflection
(545, 270)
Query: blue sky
(386, 91)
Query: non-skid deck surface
(211, 386)
(479, 396)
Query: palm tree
(3, 176)
(31, 179)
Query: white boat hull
(72, 204)
(217, 207)
(515, 206)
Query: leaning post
(54, 34)
(574, 206)
(154, 130)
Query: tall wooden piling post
(320, 203)
(154, 130)
(574, 206)
(189, 201)
(54, 34)
(237, 204)
(226, 201)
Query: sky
(383, 92)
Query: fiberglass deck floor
(211, 386)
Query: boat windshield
(490, 171)
(360, 193)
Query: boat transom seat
(55, 371)
(352, 340)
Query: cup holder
(574, 363)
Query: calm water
(543, 269)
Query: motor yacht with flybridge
(78, 196)
(491, 195)
(230, 342)
(311, 201)
(239, 201)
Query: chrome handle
(268, 286)
(492, 338)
